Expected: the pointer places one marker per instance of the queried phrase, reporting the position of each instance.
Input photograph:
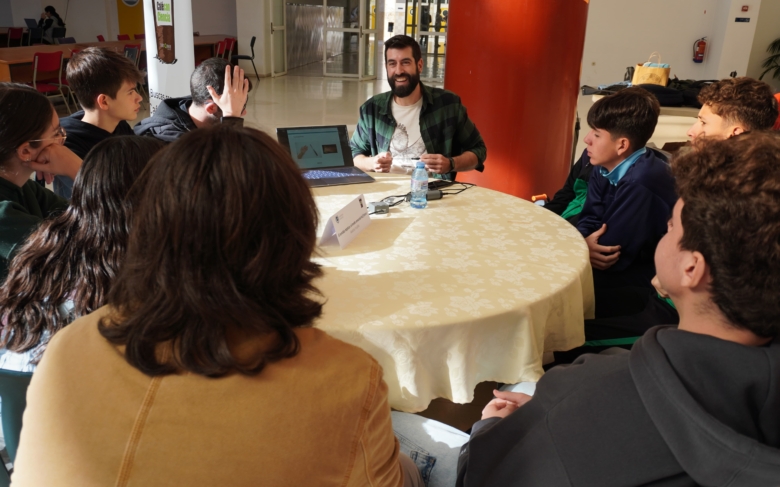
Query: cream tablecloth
(476, 287)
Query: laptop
(322, 154)
(31, 23)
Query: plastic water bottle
(419, 186)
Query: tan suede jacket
(319, 418)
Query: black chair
(35, 36)
(235, 58)
(57, 33)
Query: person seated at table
(30, 139)
(104, 83)
(631, 191)
(729, 107)
(50, 20)
(208, 104)
(414, 121)
(692, 405)
(567, 201)
(732, 106)
(66, 267)
(190, 374)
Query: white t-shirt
(407, 142)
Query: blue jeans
(433, 446)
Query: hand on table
(601, 257)
(234, 95)
(436, 163)
(56, 159)
(504, 404)
(382, 162)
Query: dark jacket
(560, 202)
(81, 138)
(681, 409)
(170, 121)
(636, 212)
(21, 211)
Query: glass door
(426, 21)
(350, 39)
(278, 38)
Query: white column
(169, 77)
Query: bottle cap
(420, 165)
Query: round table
(475, 287)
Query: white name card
(347, 223)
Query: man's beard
(404, 90)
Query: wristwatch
(452, 164)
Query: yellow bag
(645, 75)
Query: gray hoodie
(681, 409)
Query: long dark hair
(76, 255)
(221, 244)
(25, 115)
(51, 11)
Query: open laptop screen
(317, 147)
(31, 23)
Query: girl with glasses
(30, 139)
(68, 264)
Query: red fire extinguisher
(698, 50)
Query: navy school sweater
(636, 211)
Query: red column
(516, 66)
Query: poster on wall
(170, 50)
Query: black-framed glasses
(61, 136)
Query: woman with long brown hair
(30, 139)
(204, 369)
(66, 267)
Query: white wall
(6, 15)
(25, 9)
(86, 19)
(252, 20)
(210, 17)
(622, 33)
(738, 38)
(767, 30)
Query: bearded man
(415, 122)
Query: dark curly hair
(731, 214)
(746, 101)
(76, 255)
(631, 113)
(221, 245)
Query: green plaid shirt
(444, 125)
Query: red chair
(101, 39)
(16, 34)
(229, 43)
(139, 37)
(123, 37)
(219, 50)
(50, 63)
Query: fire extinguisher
(698, 50)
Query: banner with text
(170, 49)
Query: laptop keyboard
(321, 174)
